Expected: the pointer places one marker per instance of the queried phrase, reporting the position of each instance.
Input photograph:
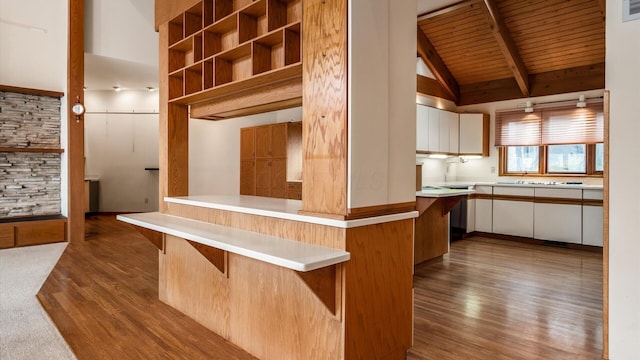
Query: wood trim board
(75, 125)
(31, 150)
(29, 91)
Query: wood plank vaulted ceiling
(491, 50)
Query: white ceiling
(103, 73)
(425, 6)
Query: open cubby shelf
(217, 43)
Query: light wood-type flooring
(487, 299)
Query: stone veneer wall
(29, 181)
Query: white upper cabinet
(437, 131)
(434, 130)
(474, 134)
(446, 132)
(422, 128)
(449, 132)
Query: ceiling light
(582, 102)
(529, 107)
(117, 88)
(150, 89)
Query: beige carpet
(26, 331)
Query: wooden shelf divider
(218, 47)
(31, 150)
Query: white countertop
(291, 254)
(443, 192)
(278, 208)
(515, 183)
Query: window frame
(542, 164)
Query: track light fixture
(529, 107)
(582, 102)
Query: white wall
(121, 29)
(381, 109)
(33, 54)
(214, 151)
(120, 141)
(623, 80)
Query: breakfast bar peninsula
(325, 277)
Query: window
(523, 159)
(567, 159)
(562, 140)
(599, 158)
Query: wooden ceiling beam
(430, 87)
(433, 61)
(581, 78)
(508, 47)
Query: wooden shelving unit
(222, 47)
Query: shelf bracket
(156, 238)
(323, 283)
(215, 256)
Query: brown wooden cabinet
(247, 143)
(276, 157)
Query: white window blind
(551, 126)
(571, 125)
(517, 128)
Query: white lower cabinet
(513, 218)
(471, 215)
(592, 229)
(484, 215)
(558, 222)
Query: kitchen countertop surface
(515, 183)
(278, 208)
(433, 191)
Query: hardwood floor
(495, 299)
(487, 299)
(103, 297)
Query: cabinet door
(422, 128)
(247, 143)
(247, 177)
(434, 130)
(474, 134)
(471, 215)
(263, 177)
(484, 215)
(513, 218)
(592, 225)
(263, 141)
(558, 222)
(445, 125)
(278, 178)
(278, 140)
(454, 126)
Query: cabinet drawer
(559, 193)
(592, 194)
(7, 239)
(294, 195)
(39, 232)
(513, 191)
(294, 186)
(484, 189)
